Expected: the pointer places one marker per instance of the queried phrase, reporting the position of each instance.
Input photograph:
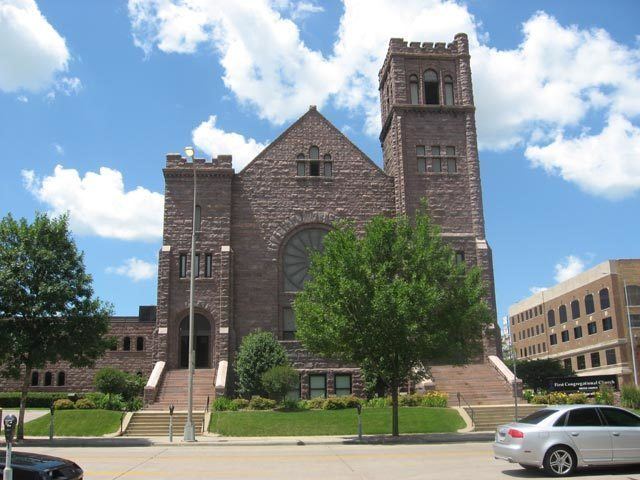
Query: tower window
(62, 379)
(413, 89)
(314, 169)
(182, 269)
(459, 257)
(421, 154)
(301, 169)
(314, 164)
(140, 344)
(328, 165)
(448, 90)
(431, 93)
(126, 345)
(197, 265)
(198, 217)
(452, 165)
(207, 265)
(48, 379)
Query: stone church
(255, 227)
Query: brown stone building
(254, 227)
(584, 321)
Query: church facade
(254, 227)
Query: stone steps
(479, 384)
(173, 390)
(488, 418)
(150, 424)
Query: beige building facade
(587, 322)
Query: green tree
(278, 381)
(258, 352)
(111, 381)
(391, 301)
(48, 310)
(535, 373)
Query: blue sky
(106, 89)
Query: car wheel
(560, 461)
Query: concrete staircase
(156, 424)
(487, 418)
(478, 383)
(174, 390)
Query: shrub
(576, 398)
(85, 404)
(339, 403)
(291, 405)
(434, 399)
(278, 381)
(557, 398)
(112, 402)
(221, 404)
(258, 352)
(630, 396)
(378, 402)
(528, 394)
(260, 403)
(540, 399)
(63, 404)
(113, 381)
(316, 403)
(301, 404)
(604, 395)
(240, 404)
(96, 397)
(134, 404)
(34, 399)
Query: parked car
(33, 466)
(560, 439)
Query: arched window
(35, 379)
(633, 295)
(448, 90)
(328, 165)
(562, 311)
(62, 379)
(589, 307)
(431, 91)
(300, 165)
(126, 345)
(604, 299)
(314, 164)
(48, 379)
(198, 217)
(300, 156)
(296, 255)
(314, 153)
(140, 344)
(575, 309)
(413, 89)
(551, 318)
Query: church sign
(587, 384)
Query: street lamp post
(515, 376)
(189, 430)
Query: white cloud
(69, 85)
(215, 141)
(22, 99)
(535, 290)
(58, 148)
(32, 52)
(98, 203)
(568, 268)
(135, 269)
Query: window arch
(140, 344)
(48, 379)
(633, 295)
(314, 163)
(575, 309)
(589, 307)
(413, 90)
(551, 318)
(604, 299)
(296, 256)
(62, 379)
(300, 156)
(562, 311)
(198, 218)
(448, 90)
(314, 152)
(431, 90)
(126, 345)
(35, 379)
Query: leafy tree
(391, 301)
(47, 308)
(258, 352)
(278, 381)
(535, 373)
(111, 381)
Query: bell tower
(430, 147)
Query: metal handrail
(473, 413)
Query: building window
(328, 166)
(553, 339)
(595, 359)
(431, 93)
(436, 162)
(296, 257)
(317, 386)
(35, 379)
(551, 318)
(544, 346)
(604, 299)
(314, 163)
(448, 90)
(183, 265)
(413, 89)
(314, 169)
(62, 379)
(197, 265)
(581, 363)
(140, 344)
(126, 345)
(48, 379)
(634, 318)
(562, 311)
(633, 295)
(567, 364)
(611, 356)
(537, 329)
(301, 169)
(575, 309)
(565, 336)
(289, 324)
(343, 385)
(452, 165)
(577, 332)
(198, 219)
(421, 154)
(459, 257)
(208, 265)
(607, 324)
(589, 307)
(592, 328)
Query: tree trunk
(394, 407)
(23, 403)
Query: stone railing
(506, 373)
(151, 388)
(221, 377)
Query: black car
(33, 466)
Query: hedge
(34, 399)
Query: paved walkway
(29, 413)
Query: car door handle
(615, 434)
(574, 434)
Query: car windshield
(537, 417)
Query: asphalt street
(441, 461)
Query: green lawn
(75, 423)
(333, 422)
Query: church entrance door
(201, 343)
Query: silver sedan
(560, 439)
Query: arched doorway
(201, 342)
